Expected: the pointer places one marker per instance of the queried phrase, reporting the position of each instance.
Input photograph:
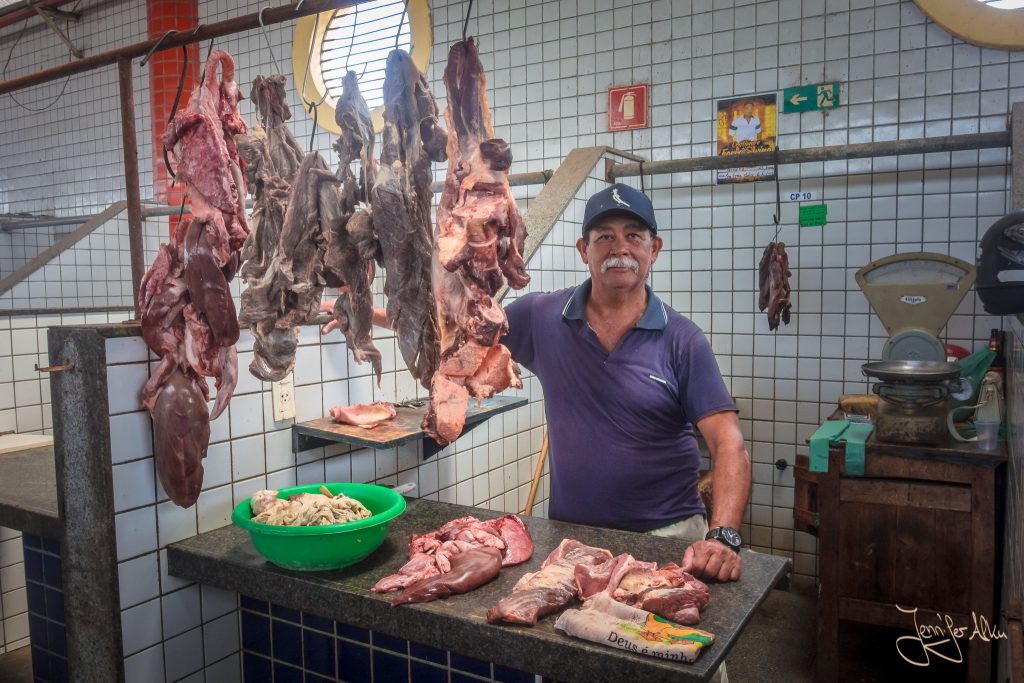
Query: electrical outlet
(283, 393)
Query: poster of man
(746, 124)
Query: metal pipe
(131, 177)
(153, 210)
(248, 22)
(125, 309)
(948, 143)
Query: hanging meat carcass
(271, 306)
(401, 198)
(352, 244)
(480, 239)
(773, 281)
(187, 313)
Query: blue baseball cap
(619, 198)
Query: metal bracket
(46, 16)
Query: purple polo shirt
(620, 425)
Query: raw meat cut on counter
(435, 552)
(549, 589)
(479, 240)
(401, 198)
(367, 415)
(187, 314)
(352, 245)
(470, 569)
(773, 279)
(271, 309)
(669, 592)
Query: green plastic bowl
(331, 546)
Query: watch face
(731, 536)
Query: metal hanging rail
(948, 143)
(248, 22)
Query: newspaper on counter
(602, 619)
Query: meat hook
(177, 99)
(465, 24)
(777, 217)
(401, 22)
(298, 6)
(156, 46)
(270, 48)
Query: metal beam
(248, 22)
(65, 243)
(131, 177)
(948, 143)
(45, 16)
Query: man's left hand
(712, 560)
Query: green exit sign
(811, 97)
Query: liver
(226, 558)
(922, 529)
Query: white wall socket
(283, 393)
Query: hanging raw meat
(187, 313)
(352, 245)
(480, 238)
(271, 307)
(773, 283)
(401, 199)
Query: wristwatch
(727, 535)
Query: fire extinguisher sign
(627, 107)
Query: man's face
(619, 251)
(748, 109)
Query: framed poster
(744, 125)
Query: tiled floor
(16, 666)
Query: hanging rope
(643, 187)
(465, 24)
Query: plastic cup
(988, 435)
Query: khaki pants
(692, 529)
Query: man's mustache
(621, 262)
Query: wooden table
(921, 529)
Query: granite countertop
(226, 558)
(28, 501)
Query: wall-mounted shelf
(401, 429)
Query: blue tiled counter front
(46, 624)
(317, 625)
(283, 644)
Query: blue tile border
(285, 645)
(45, 598)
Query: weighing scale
(914, 295)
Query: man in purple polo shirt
(625, 380)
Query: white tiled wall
(25, 408)
(549, 65)
(13, 607)
(60, 145)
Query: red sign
(627, 107)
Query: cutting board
(12, 443)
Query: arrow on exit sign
(811, 97)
